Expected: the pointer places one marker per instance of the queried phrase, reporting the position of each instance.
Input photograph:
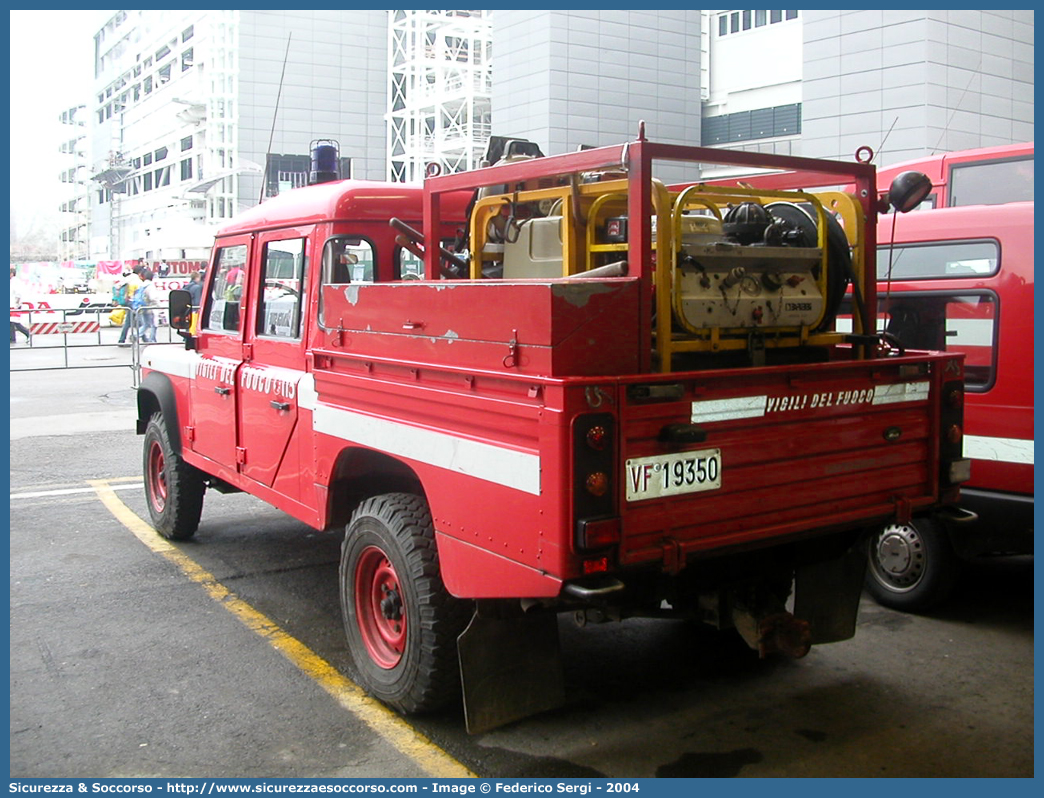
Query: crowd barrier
(74, 332)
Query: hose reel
(760, 268)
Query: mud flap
(510, 668)
(826, 594)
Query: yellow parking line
(428, 756)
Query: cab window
(284, 266)
(226, 289)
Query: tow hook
(784, 634)
(775, 633)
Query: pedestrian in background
(133, 283)
(16, 317)
(195, 290)
(145, 301)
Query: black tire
(173, 488)
(912, 567)
(401, 623)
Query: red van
(961, 279)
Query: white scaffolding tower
(439, 84)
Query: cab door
(269, 378)
(220, 346)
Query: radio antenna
(889, 133)
(960, 100)
(275, 113)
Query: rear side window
(991, 182)
(944, 259)
(951, 322)
(410, 266)
(407, 265)
(346, 260)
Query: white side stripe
(709, 410)
(901, 392)
(496, 464)
(307, 398)
(502, 466)
(174, 360)
(1004, 450)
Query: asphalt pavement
(99, 397)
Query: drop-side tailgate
(723, 458)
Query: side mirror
(179, 309)
(908, 190)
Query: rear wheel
(173, 488)
(912, 567)
(401, 623)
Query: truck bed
(800, 449)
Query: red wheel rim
(157, 478)
(379, 608)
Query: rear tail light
(954, 467)
(597, 437)
(594, 496)
(597, 483)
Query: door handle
(280, 405)
(223, 390)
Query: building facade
(75, 211)
(200, 114)
(912, 83)
(753, 103)
(816, 83)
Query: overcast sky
(52, 57)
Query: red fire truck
(961, 279)
(944, 278)
(557, 384)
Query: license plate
(671, 474)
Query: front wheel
(401, 623)
(173, 488)
(912, 567)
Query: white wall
(567, 78)
(908, 83)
